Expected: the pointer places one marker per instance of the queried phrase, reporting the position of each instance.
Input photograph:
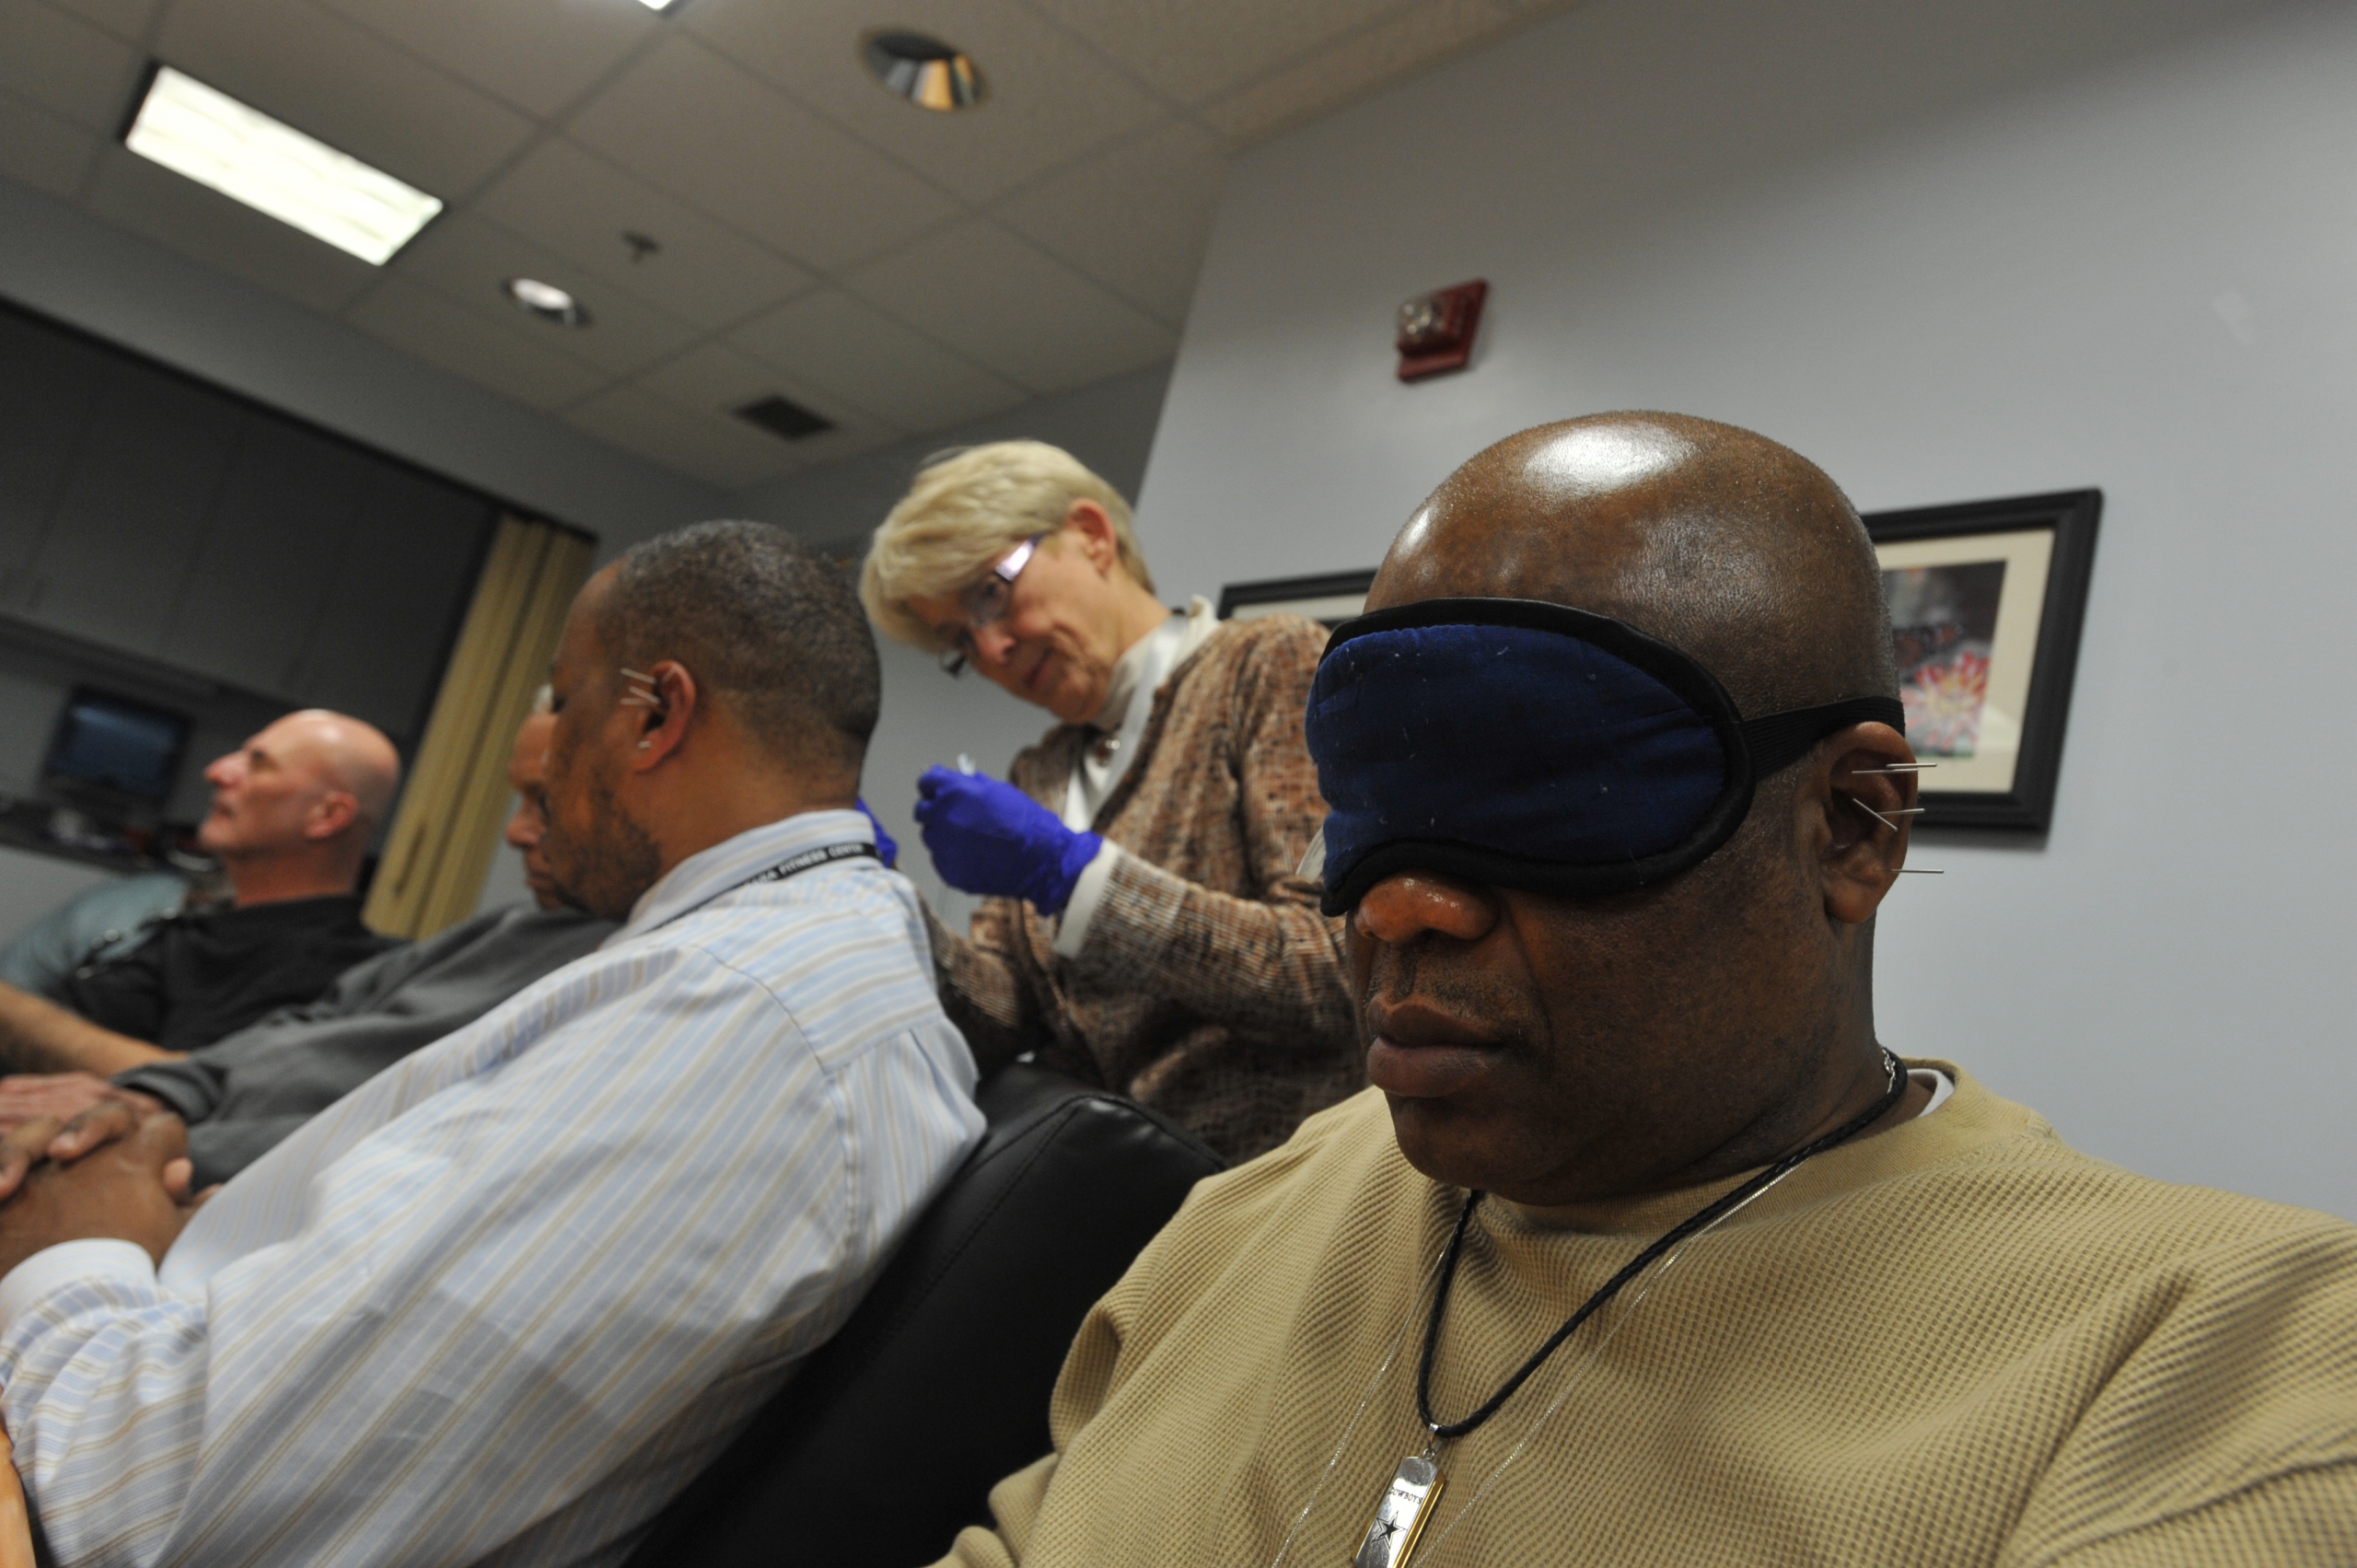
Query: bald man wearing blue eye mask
(1644, 1248)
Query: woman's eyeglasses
(983, 603)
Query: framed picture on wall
(1329, 598)
(1986, 600)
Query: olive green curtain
(448, 827)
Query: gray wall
(1951, 251)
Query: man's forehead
(577, 650)
(1621, 515)
(1502, 542)
(578, 642)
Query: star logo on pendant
(1386, 1527)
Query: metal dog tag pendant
(1400, 1517)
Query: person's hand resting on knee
(116, 1171)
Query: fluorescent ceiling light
(243, 153)
(655, 5)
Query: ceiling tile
(538, 54)
(469, 259)
(1199, 48)
(421, 322)
(717, 451)
(66, 66)
(39, 149)
(778, 171)
(1423, 35)
(1013, 307)
(324, 75)
(208, 227)
(126, 19)
(1048, 99)
(1136, 218)
(711, 380)
(578, 205)
(831, 341)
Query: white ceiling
(894, 270)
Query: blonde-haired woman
(1144, 925)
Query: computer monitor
(117, 746)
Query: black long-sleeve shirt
(207, 973)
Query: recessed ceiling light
(656, 5)
(546, 301)
(274, 168)
(925, 71)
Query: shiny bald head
(297, 806)
(1560, 1050)
(1740, 551)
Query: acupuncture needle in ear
(1886, 822)
(636, 697)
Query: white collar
(1145, 664)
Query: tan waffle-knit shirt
(1957, 1341)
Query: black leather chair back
(889, 1439)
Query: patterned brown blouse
(1209, 987)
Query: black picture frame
(2027, 806)
(1280, 596)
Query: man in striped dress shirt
(503, 1301)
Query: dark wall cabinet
(133, 510)
(154, 515)
(48, 383)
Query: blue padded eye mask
(1530, 745)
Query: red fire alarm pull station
(1437, 329)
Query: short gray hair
(968, 507)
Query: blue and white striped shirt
(503, 1301)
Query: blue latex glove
(989, 837)
(886, 850)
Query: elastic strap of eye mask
(1778, 741)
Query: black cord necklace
(1407, 1502)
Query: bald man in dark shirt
(294, 810)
